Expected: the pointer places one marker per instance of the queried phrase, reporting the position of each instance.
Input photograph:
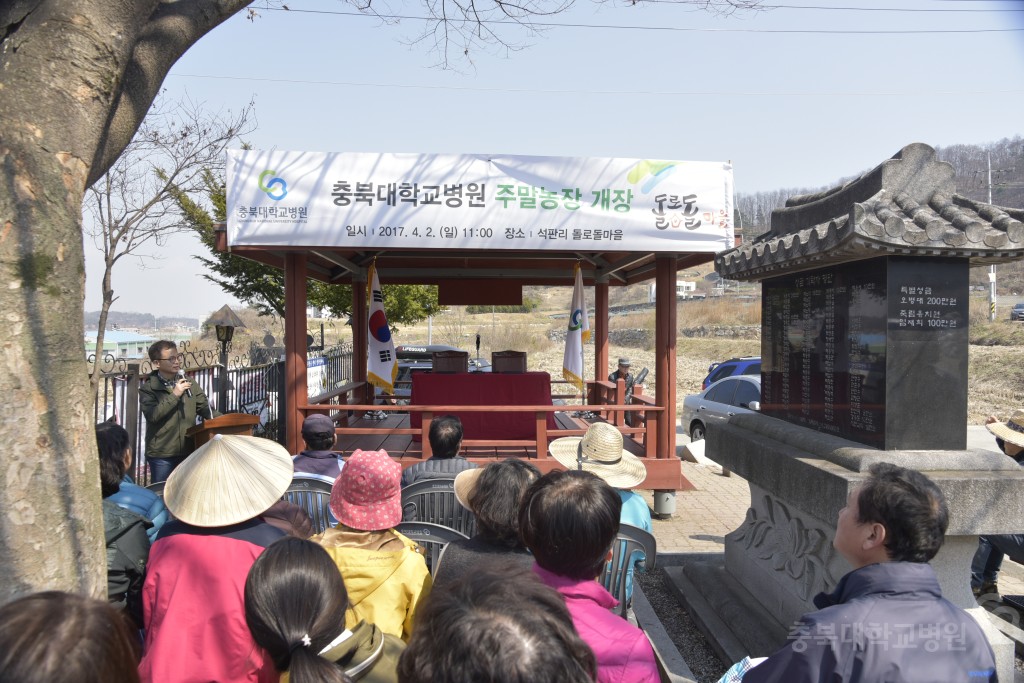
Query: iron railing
(256, 388)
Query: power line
(863, 9)
(545, 91)
(679, 29)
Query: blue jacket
(143, 502)
(884, 622)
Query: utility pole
(992, 268)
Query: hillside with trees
(969, 161)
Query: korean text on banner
(381, 366)
(477, 201)
(577, 335)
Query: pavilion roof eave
(552, 268)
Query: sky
(795, 95)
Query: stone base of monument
(732, 621)
(782, 555)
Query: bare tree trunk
(101, 330)
(52, 524)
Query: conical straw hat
(228, 480)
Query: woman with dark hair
(493, 495)
(569, 521)
(498, 624)
(124, 530)
(55, 637)
(295, 603)
(115, 462)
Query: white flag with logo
(577, 335)
(381, 366)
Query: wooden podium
(232, 423)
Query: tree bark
(76, 77)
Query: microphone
(181, 375)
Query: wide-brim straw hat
(227, 480)
(1012, 430)
(465, 484)
(600, 451)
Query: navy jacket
(883, 623)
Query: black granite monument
(874, 352)
(864, 360)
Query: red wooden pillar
(665, 354)
(600, 331)
(295, 349)
(359, 331)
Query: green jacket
(127, 553)
(168, 417)
(368, 655)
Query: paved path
(719, 504)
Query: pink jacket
(624, 655)
(193, 605)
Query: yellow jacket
(385, 575)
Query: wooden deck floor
(409, 451)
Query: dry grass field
(995, 383)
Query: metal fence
(254, 385)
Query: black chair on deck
(433, 501)
(157, 487)
(432, 537)
(312, 492)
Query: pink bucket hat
(367, 495)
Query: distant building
(685, 289)
(119, 343)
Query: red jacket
(193, 605)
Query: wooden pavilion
(476, 271)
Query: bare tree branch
(133, 205)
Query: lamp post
(224, 321)
(224, 335)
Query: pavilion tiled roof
(908, 205)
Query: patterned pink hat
(367, 495)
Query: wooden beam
(665, 355)
(600, 331)
(359, 338)
(295, 349)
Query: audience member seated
(600, 452)
(500, 625)
(194, 611)
(886, 620)
(384, 572)
(289, 518)
(295, 603)
(55, 637)
(124, 531)
(569, 521)
(320, 437)
(445, 462)
(112, 440)
(992, 549)
(493, 494)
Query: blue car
(747, 365)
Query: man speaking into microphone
(170, 402)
